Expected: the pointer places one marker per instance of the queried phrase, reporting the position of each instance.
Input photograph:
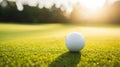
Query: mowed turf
(43, 45)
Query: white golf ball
(75, 42)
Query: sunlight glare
(92, 4)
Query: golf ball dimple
(75, 42)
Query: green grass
(43, 46)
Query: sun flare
(92, 4)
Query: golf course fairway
(43, 45)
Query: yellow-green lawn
(43, 45)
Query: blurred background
(60, 11)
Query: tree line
(31, 14)
(53, 15)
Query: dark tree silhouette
(31, 14)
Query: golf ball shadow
(68, 59)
